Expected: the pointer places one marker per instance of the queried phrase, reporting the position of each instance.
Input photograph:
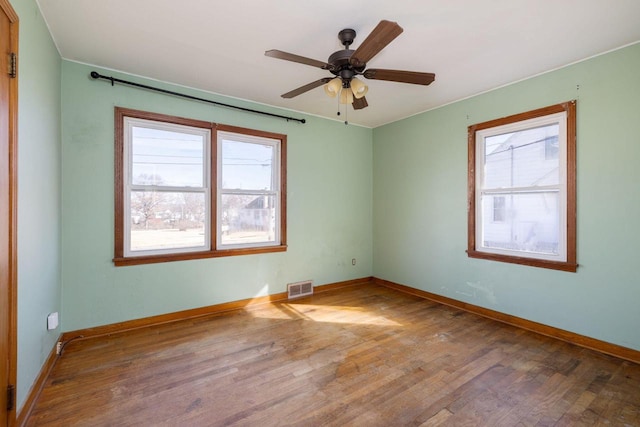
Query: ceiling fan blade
(359, 103)
(383, 34)
(307, 87)
(274, 53)
(412, 77)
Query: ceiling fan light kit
(346, 96)
(346, 64)
(355, 89)
(358, 88)
(332, 89)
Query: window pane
(247, 166)
(164, 220)
(166, 158)
(247, 219)
(499, 208)
(525, 158)
(531, 223)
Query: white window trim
(275, 185)
(556, 118)
(129, 124)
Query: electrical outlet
(353, 261)
(59, 348)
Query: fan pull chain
(346, 107)
(346, 114)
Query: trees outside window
(177, 193)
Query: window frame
(568, 182)
(282, 199)
(243, 137)
(121, 255)
(129, 187)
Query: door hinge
(11, 397)
(12, 65)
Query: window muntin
(522, 188)
(248, 190)
(167, 188)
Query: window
(167, 187)
(188, 189)
(248, 190)
(522, 188)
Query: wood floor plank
(438, 419)
(364, 355)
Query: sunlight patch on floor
(325, 313)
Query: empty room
(320, 214)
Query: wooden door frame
(13, 207)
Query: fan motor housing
(340, 64)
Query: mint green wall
(39, 192)
(329, 214)
(414, 176)
(420, 196)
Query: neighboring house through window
(499, 208)
(522, 188)
(189, 189)
(248, 189)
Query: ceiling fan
(346, 64)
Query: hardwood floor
(362, 356)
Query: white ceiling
(218, 46)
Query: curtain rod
(113, 80)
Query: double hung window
(522, 188)
(188, 189)
(248, 190)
